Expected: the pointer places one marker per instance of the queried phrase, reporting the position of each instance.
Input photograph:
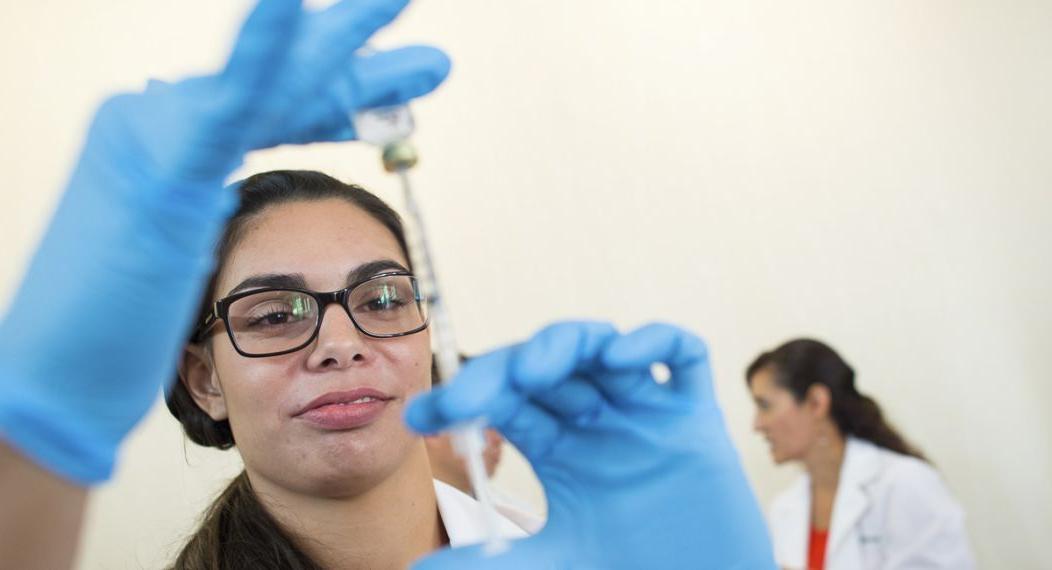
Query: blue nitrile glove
(637, 474)
(97, 325)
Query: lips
(345, 410)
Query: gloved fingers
(262, 43)
(629, 387)
(563, 349)
(557, 352)
(495, 384)
(684, 353)
(157, 86)
(482, 388)
(396, 76)
(533, 553)
(385, 78)
(531, 429)
(572, 399)
(325, 45)
(332, 35)
(527, 426)
(322, 120)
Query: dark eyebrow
(296, 280)
(367, 270)
(279, 280)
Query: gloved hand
(98, 322)
(637, 474)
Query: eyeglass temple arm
(206, 324)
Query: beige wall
(876, 174)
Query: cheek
(799, 435)
(253, 389)
(784, 425)
(412, 362)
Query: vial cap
(384, 125)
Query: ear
(196, 372)
(819, 400)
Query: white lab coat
(891, 512)
(462, 516)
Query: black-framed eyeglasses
(280, 320)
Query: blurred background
(873, 174)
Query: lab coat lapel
(860, 468)
(795, 524)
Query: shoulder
(913, 486)
(903, 470)
(924, 524)
(866, 463)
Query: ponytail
(799, 364)
(238, 532)
(864, 419)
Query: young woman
(868, 499)
(311, 386)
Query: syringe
(389, 128)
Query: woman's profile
(868, 498)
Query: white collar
(462, 516)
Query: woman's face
(283, 434)
(790, 427)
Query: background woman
(868, 498)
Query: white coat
(890, 512)
(462, 517)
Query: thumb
(526, 554)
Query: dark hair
(236, 531)
(799, 364)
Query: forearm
(40, 514)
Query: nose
(757, 423)
(339, 344)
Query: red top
(816, 549)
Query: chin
(347, 466)
(347, 476)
